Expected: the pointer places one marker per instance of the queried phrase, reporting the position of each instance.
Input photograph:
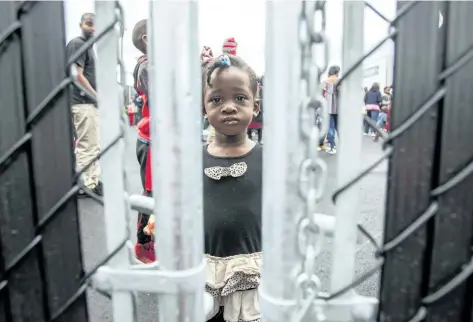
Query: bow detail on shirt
(235, 170)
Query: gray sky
(244, 20)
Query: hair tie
(225, 61)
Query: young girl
(232, 181)
(232, 191)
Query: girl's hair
(333, 70)
(225, 61)
(375, 87)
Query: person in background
(144, 247)
(384, 110)
(84, 109)
(318, 123)
(331, 92)
(206, 56)
(372, 103)
(257, 123)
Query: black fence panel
(22, 287)
(453, 233)
(41, 258)
(417, 65)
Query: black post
(32, 66)
(22, 286)
(453, 225)
(416, 69)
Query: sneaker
(321, 147)
(331, 151)
(145, 253)
(98, 189)
(81, 194)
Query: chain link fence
(420, 278)
(430, 108)
(408, 120)
(18, 23)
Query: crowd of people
(376, 106)
(232, 161)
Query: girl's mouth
(230, 120)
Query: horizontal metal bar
(142, 204)
(151, 281)
(359, 308)
(145, 205)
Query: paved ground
(372, 192)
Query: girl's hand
(149, 229)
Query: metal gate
(426, 257)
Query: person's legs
(321, 144)
(381, 119)
(374, 117)
(95, 170)
(367, 126)
(144, 248)
(249, 132)
(260, 134)
(335, 123)
(217, 318)
(85, 117)
(380, 123)
(331, 134)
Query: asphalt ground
(371, 209)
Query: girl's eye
(216, 100)
(240, 98)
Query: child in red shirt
(144, 248)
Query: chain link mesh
(33, 118)
(387, 148)
(312, 169)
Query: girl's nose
(228, 108)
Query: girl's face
(229, 103)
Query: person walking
(372, 103)
(331, 93)
(84, 109)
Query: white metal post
(349, 156)
(282, 156)
(112, 163)
(175, 104)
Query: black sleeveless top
(232, 205)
